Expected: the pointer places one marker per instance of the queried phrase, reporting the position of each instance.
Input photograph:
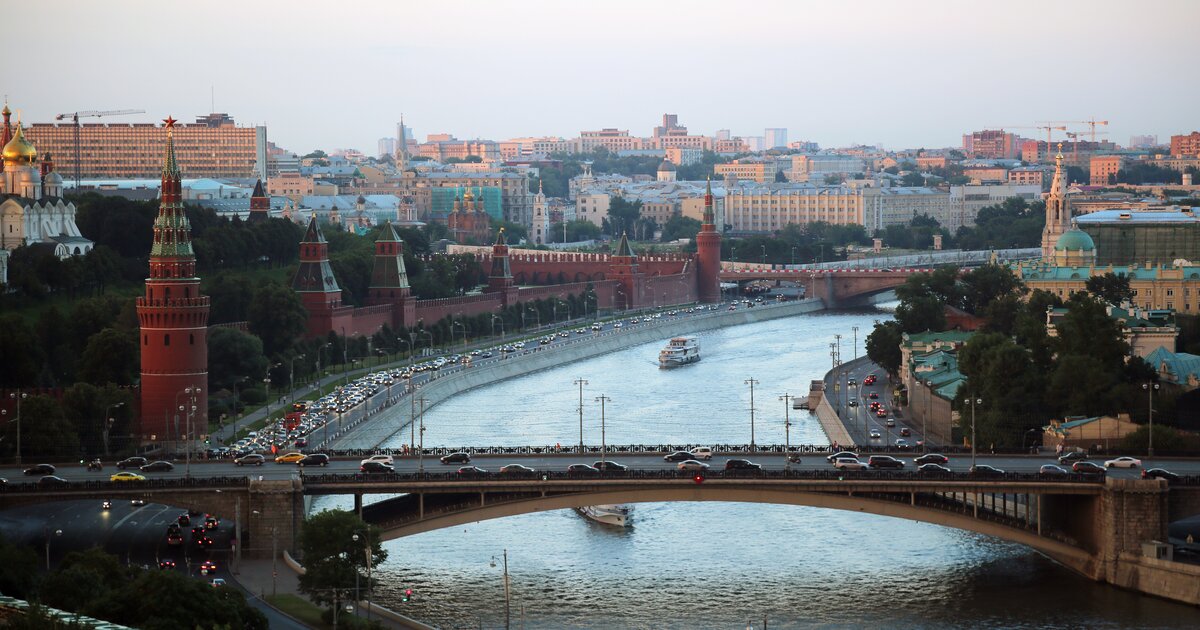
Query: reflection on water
(719, 565)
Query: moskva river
(719, 565)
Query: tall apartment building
(1078, 153)
(213, 147)
(775, 137)
(994, 144)
(386, 146)
(1186, 144)
(898, 205)
(1143, 142)
(680, 156)
(1103, 169)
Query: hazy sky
(339, 74)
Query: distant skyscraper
(387, 146)
(775, 138)
(1142, 142)
(754, 142)
(723, 134)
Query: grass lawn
(298, 607)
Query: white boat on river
(615, 515)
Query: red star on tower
(170, 122)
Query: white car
(1123, 462)
(875, 434)
(383, 459)
(691, 464)
(702, 452)
(848, 463)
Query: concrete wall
(832, 424)
(393, 420)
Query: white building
(775, 138)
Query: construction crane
(1074, 136)
(1090, 123)
(1048, 129)
(75, 116)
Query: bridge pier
(273, 514)
(358, 504)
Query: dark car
(983, 470)
(202, 541)
(376, 467)
(794, 458)
(158, 466)
(610, 467)
(175, 539)
(51, 480)
(581, 469)
(472, 471)
(517, 469)
(884, 461)
(197, 531)
(456, 458)
(679, 456)
(905, 432)
(1159, 473)
(1051, 470)
(841, 454)
(1088, 468)
(173, 528)
(931, 458)
(933, 468)
(40, 469)
(314, 459)
(132, 462)
(166, 563)
(211, 522)
(184, 519)
(253, 459)
(1073, 456)
(742, 464)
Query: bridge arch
(1074, 558)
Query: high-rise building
(723, 134)
(1186, 144)
(1143, 142)
(775, 138)
(386, 146)
(213, 147)
(993, 144)
(173, 318)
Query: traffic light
(407, 595)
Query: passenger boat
(615, 515)
(679, 351)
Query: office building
(385, 146)
(761, 171)
(775, 138)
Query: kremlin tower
(708, 253)
(260, 204)
(174, 319)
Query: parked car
(1123, 462)
(132, 462)
(610, 466)
(848, 463)
(884, 461)
(314, 459)
(931, 458)
(983, 470)
(1088, 468)
(1159, 473)
(742, 464)
(158, 466)
(375, 467)
(253, 459)
(456, 458)
(40, 469)
(678, 456)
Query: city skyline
(837, 76)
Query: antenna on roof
(212, 98)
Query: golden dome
(19, 149)
(468, 196)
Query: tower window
(166, 340)
(191, 340)
(145, 340)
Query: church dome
(19, 149)
(30, 175)
(54, 179)
(666, 166)
(1075, 240)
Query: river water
(719, 565)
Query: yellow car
(126, 476)
(289, 458)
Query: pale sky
(339, 74)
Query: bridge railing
(662, 449)
(128, 486)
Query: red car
(881, 413)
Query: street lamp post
(292, 378)
(108, 422)
(787, 425)
(421, 444)
(366, 552)
(855, 330)
(1150, 388)
(764, 254)
(602, 399)
(928, 412)
(751, 382)
(974, 402)
(793, 255)
(580, 382)
(57, 533)
(464, 331)
(18, 396)
(507, 618)
(345, 355)
(501, 320)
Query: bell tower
(173, 318)
(1058, 209)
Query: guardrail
(174, 483)
(661, 449)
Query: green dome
(1075, 240)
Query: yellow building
(770, 207)
(1103, 431)
(761, 171)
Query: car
(253, 459)
(314, 459)
(1053, 470)
(875, 434)
(300, 442)
(456, 458)
(106, 505)
(1088, 468)
(794, 457)
(841, 454)
(1159, 473)
(884, 461)
(691, 464)
(1123, 462)
(881, 413)
(902, 444)
(678, 456)
(853, 403)
(132, 462)
(40, 469)
(891, 422)
(126, 476)
(376, 467)
(931, 458)
(51, 480)
(517, 469)
(905, 432)
(983, 470)
(851, 382)
(166, 563)
(207, 567)
(609, 466)
(848, 463)
(197, 531)
(702, 453)
(472, 471)
(184, 519)
(217, 582)
(742, 464)
(158, 466)
(933, 468)
(202, 541)
(1072, 456)
(289, 458)
(387, 459)
(874, 396)
(137, 502)
(582, 469)
(211, 522)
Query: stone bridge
(839, 288)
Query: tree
(276, 317)
(21, 351)
(678, 227)
(232, 356)
(1111, 287)
(45, 430)
(622, 215)
(18, 564)
(982, 286)
(883, 346)
(921, 314)
(111, 356)
(332, 556)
